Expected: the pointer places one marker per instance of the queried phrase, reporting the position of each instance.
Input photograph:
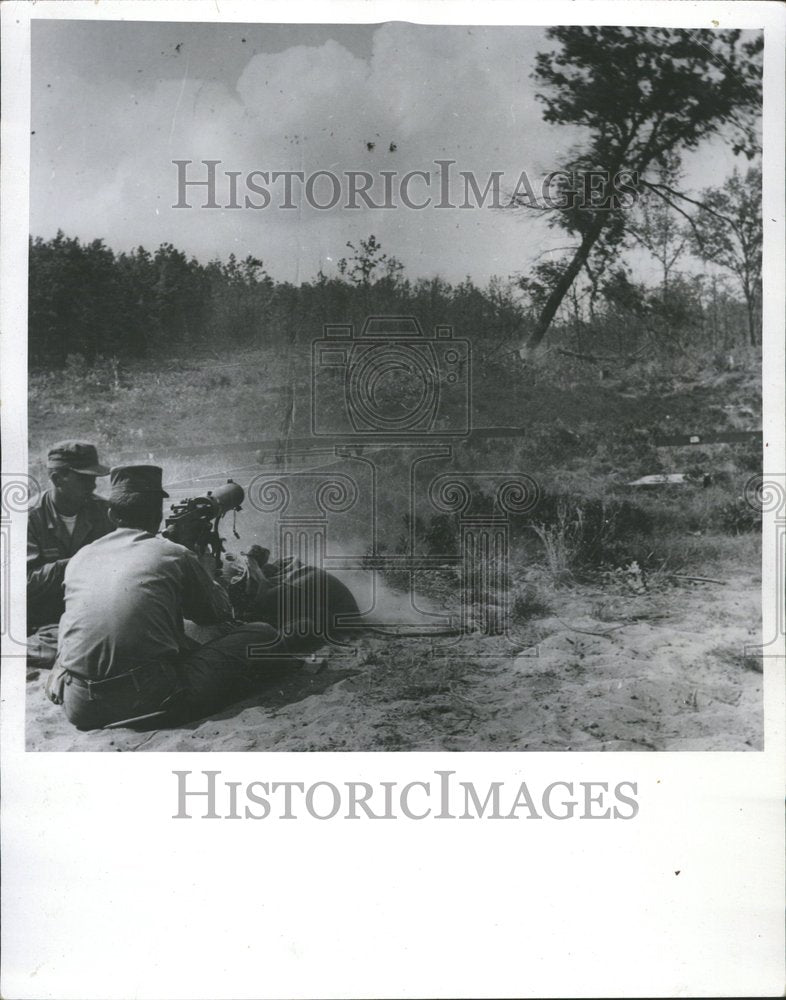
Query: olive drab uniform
(52, 540)
(49, 547)
(123, 652)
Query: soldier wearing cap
(123, 652)
(64, 519)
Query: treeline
(689, 313)
(84, 299)
(87, 300)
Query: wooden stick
(586, 631)
(122, 723)
(697, 579)
(598, 358)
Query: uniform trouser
(42, 647)
(203, 680)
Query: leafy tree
(368, 263)
(537, 285)
(240, 300)
(728, 232)
(180, 291)
(137, 275)
(621, 293)
(75, 303)
(642, 94)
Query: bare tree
(728, 232)
(658, 228)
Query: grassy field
(588, 432)
(635, 582)
(588, 435)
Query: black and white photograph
(393, 430)
(394, 387)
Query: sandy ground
(658, 671)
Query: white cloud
(103, 148)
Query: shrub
(736, 517)
(579, 531)
(528, 603)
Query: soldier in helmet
(122, 651)
(64, 519)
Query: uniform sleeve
(204, 601)
(44, 579)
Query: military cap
(130, 483)
(78, 456)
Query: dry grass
(585, 454)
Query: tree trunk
(562, 287)
(751, 320)
(748, 295)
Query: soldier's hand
(231, 570)
(187, 533)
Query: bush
(579, 531)
(528, 603)
(575, 531)
(737, 517)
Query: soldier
(123, 652)
(277, 592)
(64, 519)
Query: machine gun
(194, 521)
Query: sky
(114, 103)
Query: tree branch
(696, 233)
(700, 204)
